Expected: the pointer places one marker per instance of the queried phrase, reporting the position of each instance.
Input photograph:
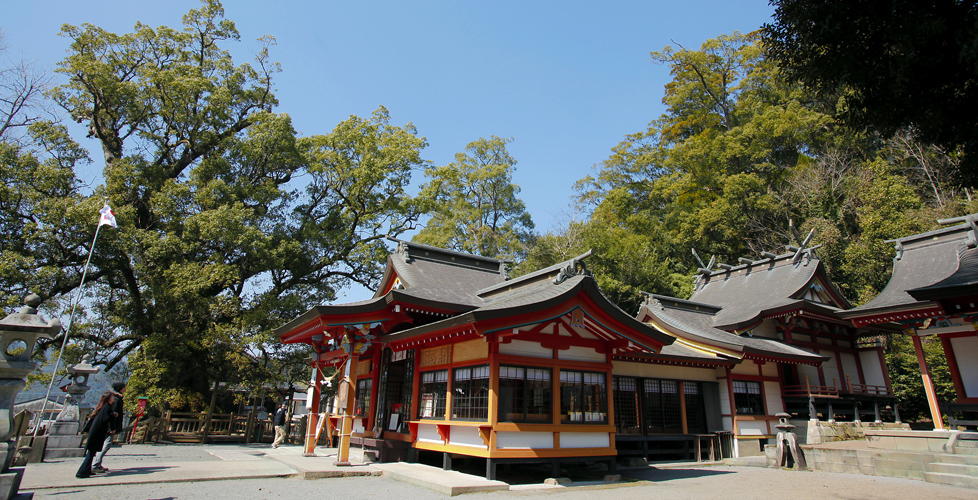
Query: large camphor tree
(229, 223)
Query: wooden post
(346, 416)
(210, 414)
(935, 410)
(250, 423)
(309, 447)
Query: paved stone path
(235, 472)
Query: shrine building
(933, 293)
(451, 357)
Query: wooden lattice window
(470, 393)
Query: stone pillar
(18, 334)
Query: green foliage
(474, 203)
(908, 385)
(229, 224)
(897, 64)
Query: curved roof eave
(584, 284)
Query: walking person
(98, 428)
(115, 425)
(279, 423)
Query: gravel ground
(149, 453)
(695, 483)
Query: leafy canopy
(474, 203)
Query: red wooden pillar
(935, 410)
(952, 366)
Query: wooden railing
(187, 427)
(833, 391)
(809, 390)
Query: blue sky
(566, 80)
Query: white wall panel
(577, 353)
(966, 354)
(772, 395)
(525, 348)
(872, 371)
(849, 367)
(752, 427)
(429, 433)
(584, 440)
(466, 436)
(524, 440)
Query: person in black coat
(98, 428)
(115, 425)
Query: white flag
(107, 217)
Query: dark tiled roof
(443, 275)
(745, 292)
(534, 295)
(694, 321)
(964, 281)
(922, 260)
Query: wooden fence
(187, 427)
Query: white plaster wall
(577, 353)
(823, 340)
(769, 369)
(849, 366)
(525, 348)
(584, 440)
(752, 427)
(831, 370)
(772, 395)
(466, 436)
(429, 433)
(358, 424)
(663, 371)
(872, 371)
(745, 367)
(524, 440)
(966, 354)
(810, 371)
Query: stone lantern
(18, 334)
(77, 389)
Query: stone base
(65, 428)
(10, 482)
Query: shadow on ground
(671, 474)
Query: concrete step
(957, 459)
(55, 453)
(951, 479)
(961, 470)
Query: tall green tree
(229, 224)
(474, 203)
(897, 64)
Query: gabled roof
(927, 266)
(531, 298)
(692, 323)
(440, 275)
(429, 278)
(751, 291)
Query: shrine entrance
(391, 441)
